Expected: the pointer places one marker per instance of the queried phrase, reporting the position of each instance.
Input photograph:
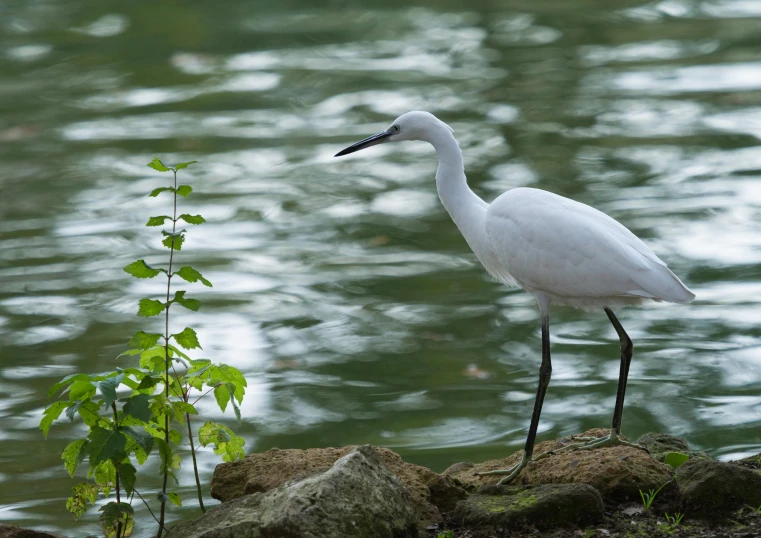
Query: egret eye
(396, 128)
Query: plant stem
(116, 466)
(195, 464)
(148, 507)
(166, 354)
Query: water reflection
(341, 288)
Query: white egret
(561, 251)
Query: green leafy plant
(445, 534)
(649, 497)
(134, 410)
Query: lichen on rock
(544, 507)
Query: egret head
(415, 125)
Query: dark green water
(342, 289)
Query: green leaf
(147, 383)
(157, 221)
(115, 517)
(190, 304)
(226, 443)
(169, 496)
(142, 340)
(169, 460)
(222, 395)
(150, 307)
(71, 411)
(153, 359)
(108, 389)
(156, 192)
(142, 439)
(192, 219)
(127, 473)
(191, 275)
(187, 338)
(180, 166)
(228, 374)
(81, 390)
(106, 445)
(174, 242)
(156, 164)
(180, 408)
(83, 493)
(138, 406)
(50, 414)
(676, 459)
(73, 455)
(179, 352)
(184, 190)
(66, 381)
(140, 269)
(105, 476)
(89, 411)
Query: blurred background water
(341, 288)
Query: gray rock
(547, 506)
(660, 444)
(713, 490)
(357, 497)
(10, 531)
(264, 471)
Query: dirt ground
(630, 521)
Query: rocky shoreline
(370, 492)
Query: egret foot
(511, 473)
(588, 443)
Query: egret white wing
(575, 253)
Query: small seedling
(674, 520)
(445, 534)
(649, 497)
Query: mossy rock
(660, 444)
(547, 506)
(714, 490)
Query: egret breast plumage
(559, 250)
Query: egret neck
(467, 209)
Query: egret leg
(615, 431)
(545, 372)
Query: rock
(264, 471)
(496, 508)
(358, 497)
(618, 472)
(446, 492)
(714, 490)
(751, 462)
(10, 531)
(660, 444)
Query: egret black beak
(366, 143)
